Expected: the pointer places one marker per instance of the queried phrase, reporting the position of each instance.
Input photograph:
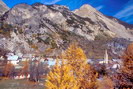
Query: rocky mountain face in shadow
(48, 30)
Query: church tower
(106, 58)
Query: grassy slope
(19, 84)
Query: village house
(12, 58)
(109, 64)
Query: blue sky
(121, 9)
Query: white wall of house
(12, 58)
(14, 62)
(116, 66)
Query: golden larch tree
(61, 77)
(126, 76)
(128, 61)
(84, 73)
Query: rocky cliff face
(105, 23)
(48, 29)
(3, 8)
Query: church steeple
(106, 61)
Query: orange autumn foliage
(25, 69)
(61, 77)
(84, 73)
(128, 61)
(72, 71)
(105, 83)
(8, 69)
(127, 68)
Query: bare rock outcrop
(49, 29)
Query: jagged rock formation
(48, 29)
(3, 8)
